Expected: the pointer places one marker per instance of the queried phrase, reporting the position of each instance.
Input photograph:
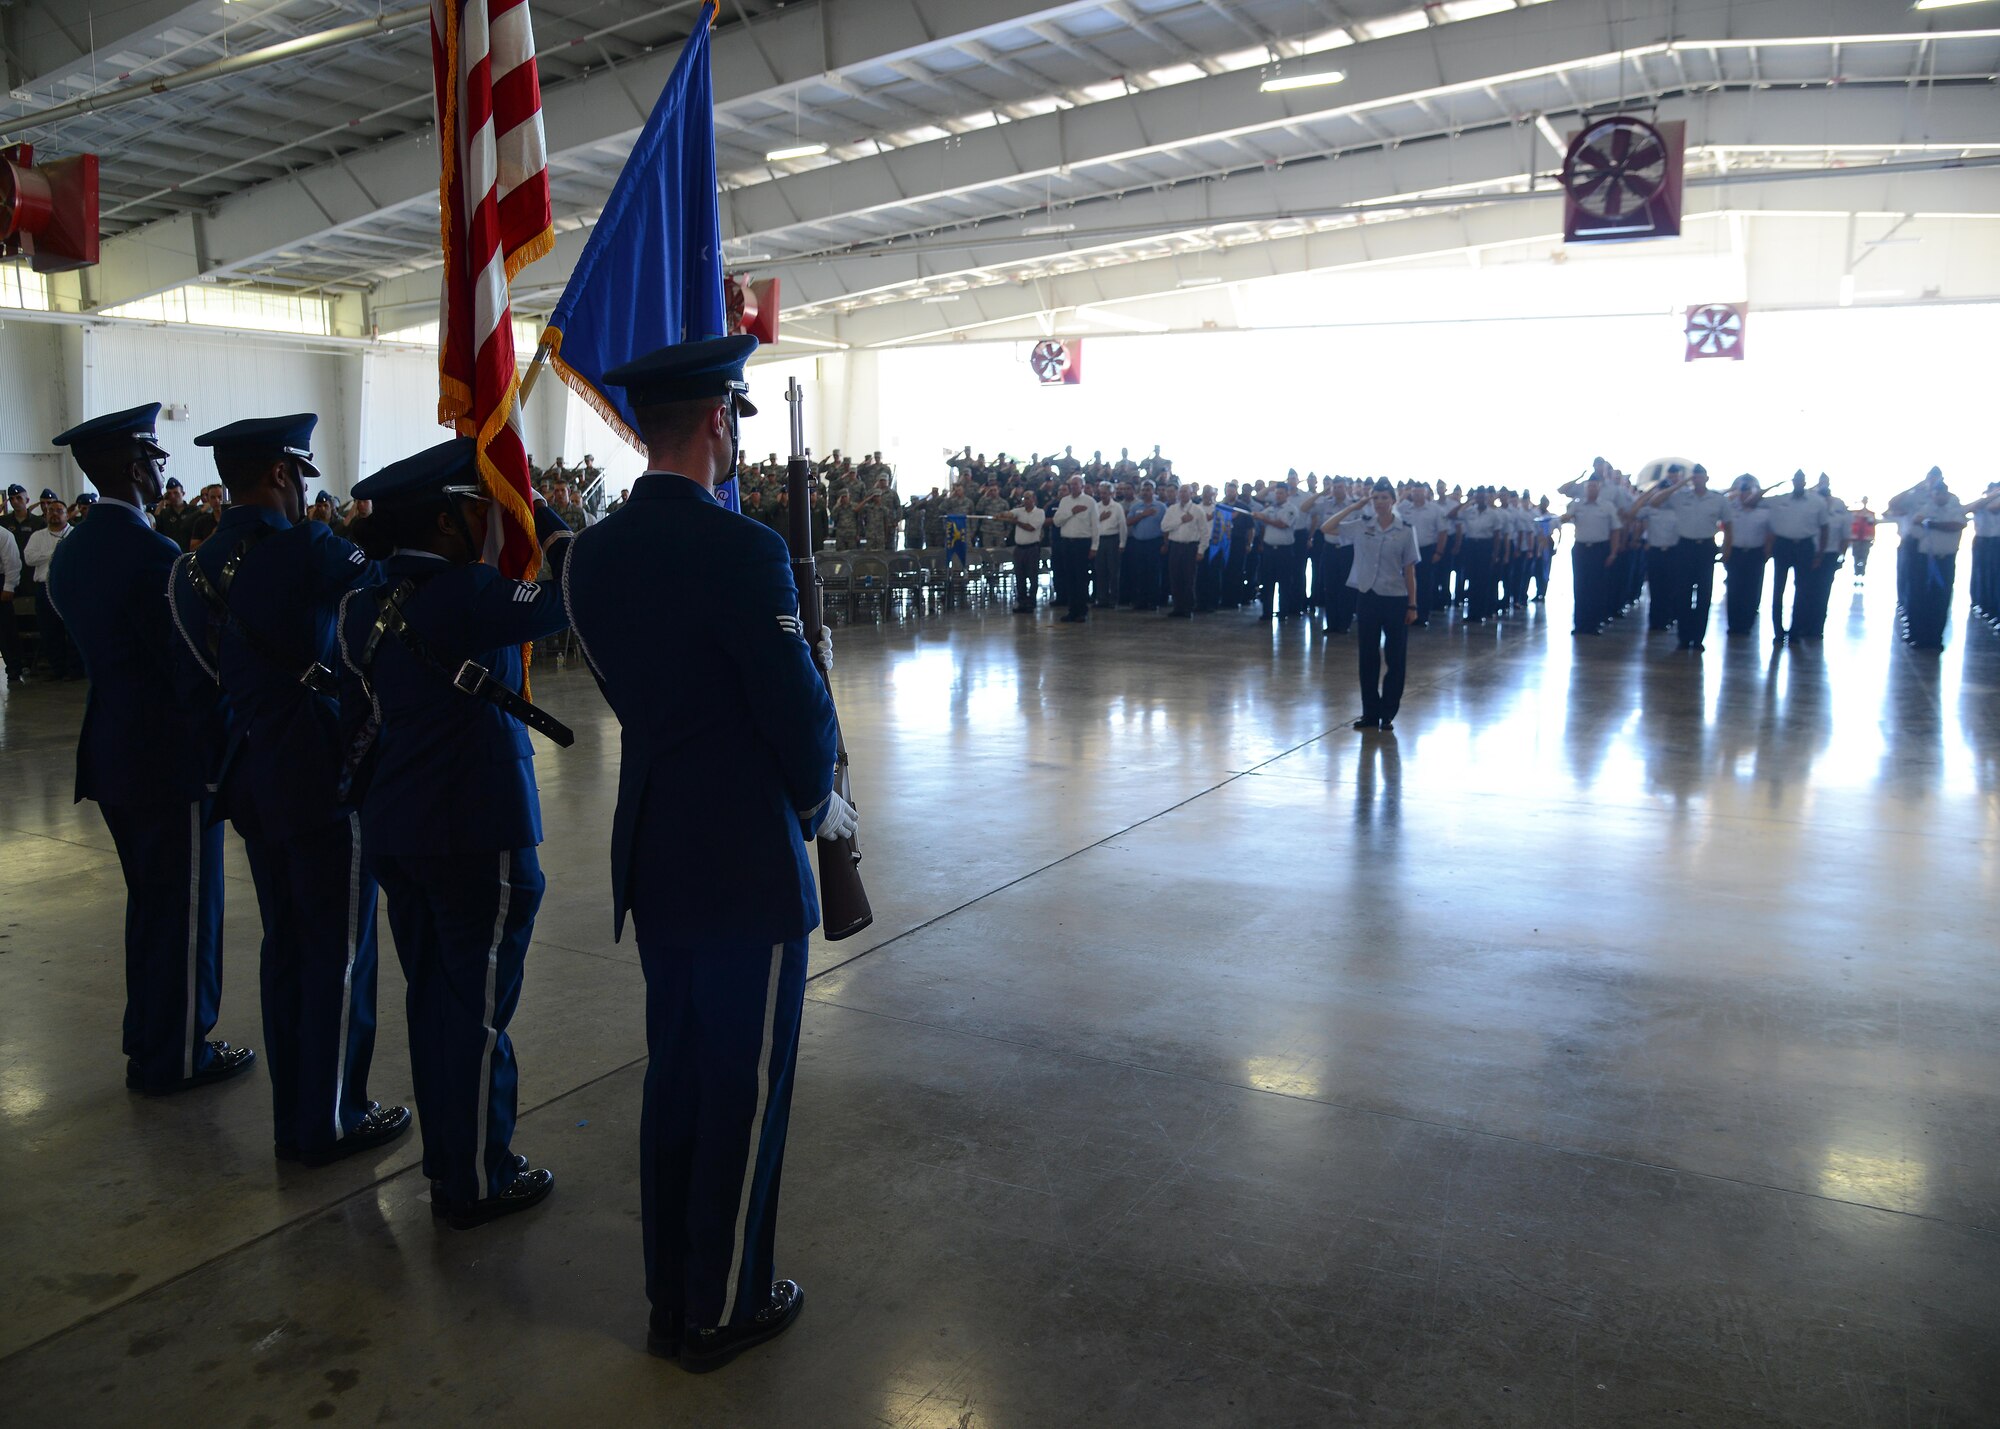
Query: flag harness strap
(314, 676)
(470, 677)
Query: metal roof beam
(51, 48)
(1314, 188)
(1380, 72)
(765, 59)
(1403, 239)
(1845, 117)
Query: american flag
(493, 211)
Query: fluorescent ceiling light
(1303, 81)
(1045, 229)
(942, 298)
(1943, 4)
(797, 151)
(1197, 282)
(1913, 37)
(747, 258)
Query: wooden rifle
(844, 908)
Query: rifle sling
(470, 678)
(313, 675)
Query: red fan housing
(753, 306)
(1715, 330)
(1621, 179)
(48, 212)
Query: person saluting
(450, 817)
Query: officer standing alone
(146, 768)
(688, 616)
(1384, 579)
(433, 657)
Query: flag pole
(541, 360)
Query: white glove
(841, 820)
(824, 650)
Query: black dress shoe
(664, 1333)
(1365, 723)
(1387, 725)
(528, 1188)
(382, 1125)
(441, 1203)
(229, 1062)
(704, 1350)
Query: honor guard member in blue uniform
(144, 756)
(688, 615)
(255, 610)
(431, 671)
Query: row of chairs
(858, 583)
(855, 582)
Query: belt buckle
(469, 677)
(318, 678)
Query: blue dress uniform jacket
(143, 755)
(450, 820)
(453, 774)
(109, 579)
(278, 783)
(280, 774)
(688, 615)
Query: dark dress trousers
(688, 615)
(278, 784)
(143, 756)
(450, 821)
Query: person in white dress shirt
(1186, 528)
(1076, 547)
(10, 580)
(1027, 519)
(56, 650)
(1110, 554)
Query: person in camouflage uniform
(992, 503)
(846, 523)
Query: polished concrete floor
(1613, 1045)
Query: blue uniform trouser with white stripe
(462, 924)
(722, 1033)
(172, 859)
(317, 968)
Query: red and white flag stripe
(494, 218)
